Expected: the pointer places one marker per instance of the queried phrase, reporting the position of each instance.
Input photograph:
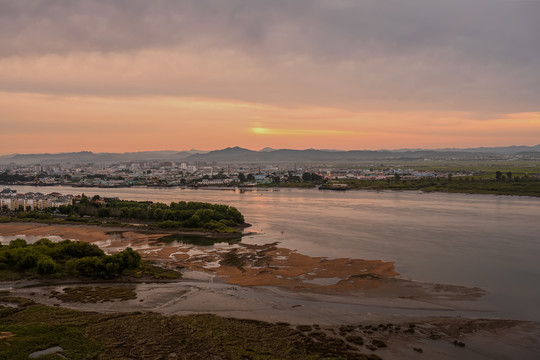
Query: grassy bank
(29, 327)
(456, 185)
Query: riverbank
(257, 265)
(94, 233)
(336, 326)
(326, 300)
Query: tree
(306, 176)
(498, 175)
(397, 177)
(46, 265)
(509, 175)
(84, 200)
(250, 177)
(17, 243)
(241, 177)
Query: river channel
(488, 241)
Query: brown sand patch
(267, 265)
(287, 268)
(259, 265)
(6, 334)
(72, 232)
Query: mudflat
(278, 285)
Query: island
(143, 215)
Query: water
(488, 241)
(30, 239)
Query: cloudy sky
(129, 75)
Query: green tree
(241, 177)
(46, 265)
(498, 175)
(84, 200)
(17, 243)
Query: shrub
(46, 265)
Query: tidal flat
(292, 305)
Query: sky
(138, 75)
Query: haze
(350, 74)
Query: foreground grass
(85, 335)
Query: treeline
(7, 178)
(508, 185)
(215, 217)
(66, 258)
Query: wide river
(488, 241)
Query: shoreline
(254, 265)
(36, 228)
(277, 285)
(314, 187)
(335, 316)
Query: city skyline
(127, 76)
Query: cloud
(479, 56)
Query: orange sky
(114, 124)
(311, 74)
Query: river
(488, 241)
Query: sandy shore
(259, 265)
(269, 283)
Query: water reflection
(30, 239)
(198, 240)
(474, 240)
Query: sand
(270, 283)
(259, 265)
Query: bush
(46, 265)
(73, 258)
(17, 243)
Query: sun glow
(301, 132)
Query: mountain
(240, 155)
(506, 150)
(84, 157)
(228, 154)
(267, 149)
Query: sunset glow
(256, 81)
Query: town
(10, 200)
(170, 173)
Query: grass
(85, 335)
(94, 294)
(149, 270)
(457, 185)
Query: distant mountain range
(269, 155)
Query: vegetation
(214, 217)
(177, 215)
(68, 257)
(94, 294)
(503, 184)
(90, 335)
